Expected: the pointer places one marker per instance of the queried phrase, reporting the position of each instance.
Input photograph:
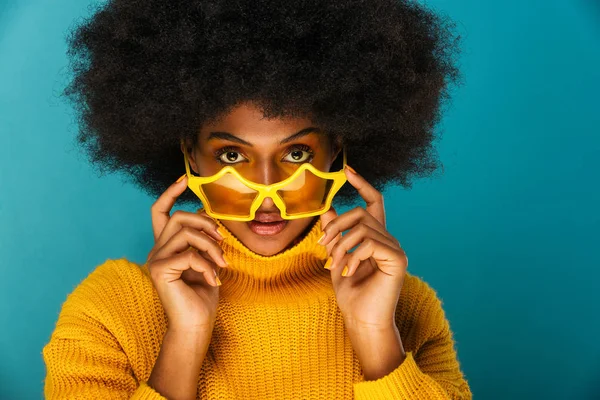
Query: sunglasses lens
(305, 194)
(227, 195)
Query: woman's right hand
(185, 277)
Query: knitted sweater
(278, 334)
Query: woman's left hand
(368, 294)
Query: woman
(259, 296)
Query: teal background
(507, 235)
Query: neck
(291, 275)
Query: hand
(185, 277)
(367, 296)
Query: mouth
(267, 228)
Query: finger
(191, 276)
(371, 196)
(186, 237)
(336, 274)
(179, 219)
(328, 241)
(388, 259)
(354, 237)
(162, 206)
(348, 220)
(170, 269)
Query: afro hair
(147, 73)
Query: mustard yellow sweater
(278, 335)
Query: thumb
(326, 218)
(202, 211)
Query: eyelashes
(232, 149)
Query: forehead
(247, 122)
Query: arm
(84, 358)
(175, 373)
(431, 371)
(379, 351)
(84, 369)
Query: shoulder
(116, 268)
(419, 313)
(109, 278)
(417, 293)
(114, 286)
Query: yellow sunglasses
(228, 195)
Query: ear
(336, 147)
(188, 145)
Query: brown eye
(296, 154)
(231, 156)
(228, 155)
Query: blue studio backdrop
(507, 234)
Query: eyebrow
(233, 138)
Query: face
(253, 145)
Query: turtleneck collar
(295, 274)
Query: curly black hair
(149, 72)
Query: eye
(296, 153)
(230, 153)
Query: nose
(268, 206)
(266, 173)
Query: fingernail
(181, 178)
(217, 278)
(321, 238)
(226, 260)
(345, 271)
(351, 169)
(328, 263)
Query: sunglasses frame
(194, 182)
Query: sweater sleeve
(83, 359)
(81, 369)
(432, 371)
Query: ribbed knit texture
(278, 335)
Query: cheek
(206, 167)
(303, 225)
(233, 226)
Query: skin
(266, 162)
(367, 282)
